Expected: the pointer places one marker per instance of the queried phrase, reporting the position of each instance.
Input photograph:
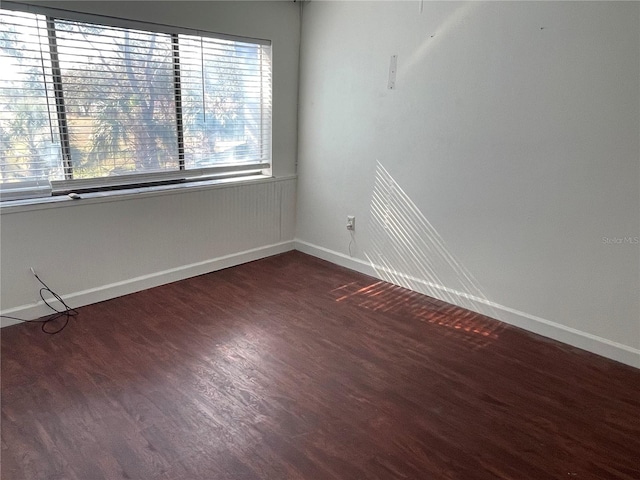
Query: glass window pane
(119, 97)
(29, 137)
(226, 100)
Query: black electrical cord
(68, 313)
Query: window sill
(17, 206)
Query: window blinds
(87, 105)
(226, 100)
(29, 134)
(118, 94)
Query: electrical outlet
(351, 222)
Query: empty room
(320, 240)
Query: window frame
(240, 171)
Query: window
(87, 106)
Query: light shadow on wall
(406, 250)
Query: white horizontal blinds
(30, 152)
(226, 101)
(118, 87)
(91, 106)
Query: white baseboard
(571, 336)
(586, 341)
(125, 287)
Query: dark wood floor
(293, 368)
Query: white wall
(90, 250)
(490, 175)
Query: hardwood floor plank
(293, 368)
